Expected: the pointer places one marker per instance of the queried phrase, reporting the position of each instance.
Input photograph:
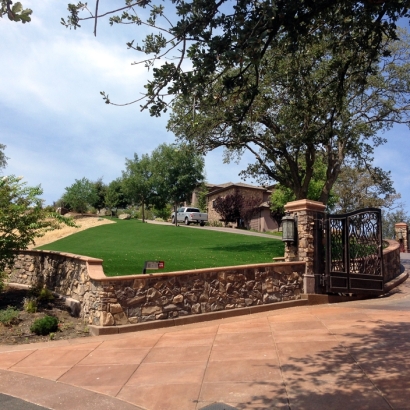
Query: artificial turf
(126, 245)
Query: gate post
(309, 246)
(401, 231)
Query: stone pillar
(309, 214)
(401, 231)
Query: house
(261, 221)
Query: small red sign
(161, 265)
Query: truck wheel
(186, 221)
(173, 220)
(202, 223)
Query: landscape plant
(22, 219)
(176, 171)
(9, 315)
(45, 325)
(80, 195)
(137, 182)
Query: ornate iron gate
(354, 254)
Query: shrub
(2, 280)
(30, 305)
(9, 315)
(45, 295)
(45, 325)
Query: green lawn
(125, 245)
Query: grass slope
(125, 245)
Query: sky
(57, 128)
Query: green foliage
(176, 172)
(80, 195)
(45, 295)
(293, 124)
(284, 80)
(22, 218)
(163, 213)
(30, 305)
(202, 193)
(9, 315)
(45, 325)
(3, 277)
(114, 195)
(100, 189)
(138, 182)
(216, 36)
(126, 245)
(15, 12)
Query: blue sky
(56, 126)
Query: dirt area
(18, 331)
(82, 223)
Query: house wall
(267, 223)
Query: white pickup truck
(189, 215)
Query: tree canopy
(303, 115)
(80, 195)
(285, 80)
(138, 182)
(177, 171)
(358, 188)
(191, 41)
(15, 12)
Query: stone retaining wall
(391, 260)
(108, 301)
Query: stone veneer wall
(391, 260)
(108, 301)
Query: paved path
(353, 355)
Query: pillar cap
(400, 224)
(305, 205)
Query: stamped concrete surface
(353, 355)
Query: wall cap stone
(88, 259)
(96, 271)
(195, 271)
(305, 205)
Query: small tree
(250, 208)
(100, 190)
(177, 171)
(114, 195)
(137, 181)
(22, 219)
(229, 207)
(80, 195)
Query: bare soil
(18, 332)
(82, 222)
